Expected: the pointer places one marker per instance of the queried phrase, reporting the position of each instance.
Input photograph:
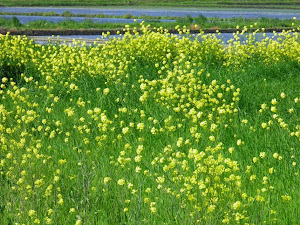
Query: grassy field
(292, 4)
(152, 129)
(200, 22)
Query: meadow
(153, 128)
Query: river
(224, 37)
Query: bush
(187, 19)
(127, 16)
(67, 14)
(16, 22)
(200, 19)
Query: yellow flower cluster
(148, 128)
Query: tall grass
(150, 129)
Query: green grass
(153, 129)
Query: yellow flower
(245, 121)
(255, 159)
(236, 205)
(140, 126)
(203, 124)
(9, 156)
(264, 106)
(31, 213)
(106, 91)
(271, 170)
(56, 179)
(286, 198)
(130, 186)
(138, 158)
(264, 125)
(4, 79)
(62, 161)
(239, 142)
(106, 180)
(125, 130)
(253, 177)
(154, 130)
(231, 149)
(138, 169)
(72, 210)
(273, 109)
(48, 220)
(160, 180)
(153, 209)
(39, 183)
(60, 201)
(262, 155)
(121, 182)
(78, 222)
(56, 98)
(50, 211)
(211, 208)
(139, 149)
(212, 138)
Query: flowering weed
(151, 128)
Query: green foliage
(16, 22)
(185, 20)
(127, 16)
(11, 69)
(67, 14)
(201, 20)
(5, 23)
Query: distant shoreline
(212, 5)
(295, 7)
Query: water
(225, 37)
(178, 12)
(55, 19)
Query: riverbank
(74, 25)
(49, 32)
